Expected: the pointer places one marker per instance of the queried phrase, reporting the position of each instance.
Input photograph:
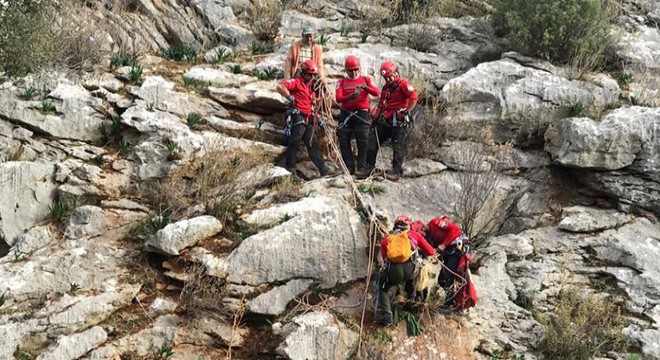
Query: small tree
(556, 30)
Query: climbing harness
(292, 114)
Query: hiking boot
(362, 173)
(385, 320)
(329, 172)
(392, 175)
(294, 176)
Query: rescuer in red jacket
(352, 94)
(454, 245)
(397, 100)
(396, 274)
(300, 124)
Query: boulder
(32, 240)
(274, 302)
(163, 332)
(434, 195)
(28, 192)
(293, 22)
(582, 219)
(259, 97)
(77, 113)
(159, 94)
(177, 236)
(72, 347)
(514, 102)
(626, 136)
(219, 78)
(85, 221)
(215, 12)
(640, 47)
(236, 36)
(320, 238)
(316, 335)
(632, 191)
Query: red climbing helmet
(310, 67)
(402, 222)
(388, 68)
(351, 63)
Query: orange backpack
(399, 249)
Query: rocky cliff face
(144, 215)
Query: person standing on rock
(301, 125)
(352, 94)
(302, 50)
(397, 100)
(455, 248)
(399, 251)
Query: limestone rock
(163, 306)
(219, 78)
(85, 221)
(641, 48)
(274, 302)
(517, 102)
(76, 113)
(215, 12)
(71, 347)
(316, 335)
(583, 219)
(180, 235)
(143, 343)
(323, 239)
(32, 240)
(159, 93)
(293, 22)
(259, 97)
(28, 192)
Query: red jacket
(302, 92)
(442, 231)
(395, 96)
(417, 242)
(346, 87)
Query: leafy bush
(33, 35)
(582, 325)
(566, 31)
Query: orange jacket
(293, 56)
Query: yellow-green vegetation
(582, 325)
(575, 32)
(33, 35)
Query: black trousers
(307, 134)
(357, 127)
(446, 278)
(391, 281)
(399, 136)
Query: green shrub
(582, 326)
(565, 31)
(26, 35)
(34, 36)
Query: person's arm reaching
(422, 244)
(370, 87)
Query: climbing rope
(324, 111)
(324, 118)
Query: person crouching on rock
(399, 250)
(455, 248)
(352, 94)
(300, 126)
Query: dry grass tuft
(263, 18)
(287, 191)
(201, 293)
(211, 181)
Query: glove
(403, 114)
(292, 100)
